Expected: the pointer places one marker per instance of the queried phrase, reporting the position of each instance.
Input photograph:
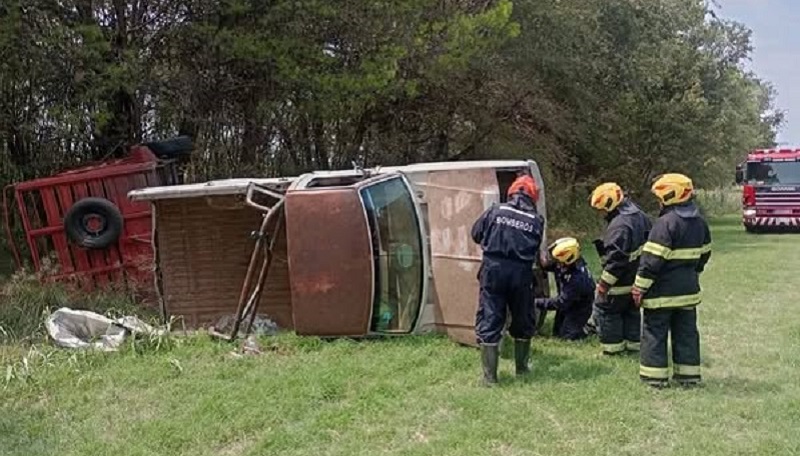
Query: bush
(719, 202)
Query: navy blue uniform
(676, 253)
(510, 235)
(573, 305)
(618, 319)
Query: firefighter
(667, 284)
(510, 235)
(618, 320)
(573, 305)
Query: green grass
(420, 396)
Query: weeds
(25, 303)
(719, 202)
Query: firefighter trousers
(618, 323)
(657, 325)
(506, 287)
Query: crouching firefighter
(617, 318)
(573, 305)
(667, 284)
(510, 235)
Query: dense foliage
(618, 89)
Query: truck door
(455, 199)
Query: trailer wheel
(93, 223)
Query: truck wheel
(752, 229)
(93, 223)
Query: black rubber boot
(687, 381)
(522, 352)
(656, 383)
(490, 354)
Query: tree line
(593, 90)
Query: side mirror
(739, 175)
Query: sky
(776, 56)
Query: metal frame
(250, 296)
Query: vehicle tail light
(749, 195)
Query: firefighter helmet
(672, 189)
(566, 250)
(527, 185)
(606, 196)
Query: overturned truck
(355, 253)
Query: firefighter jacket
(575, 296)
(625, 236)
(675, 254)
(511, 231)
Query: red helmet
(527, 185)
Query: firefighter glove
(602, 289)
(637, 294)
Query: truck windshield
(773, 173)
(397, 252)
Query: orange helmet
(527, 185)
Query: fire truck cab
(770, 180)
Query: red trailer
(79, 225)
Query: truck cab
(398, 257)
(770, 180)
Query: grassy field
(420, 396)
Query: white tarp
(84, 329)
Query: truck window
(397, 252)
(773, 173)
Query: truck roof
(770, 154)
(239, 186)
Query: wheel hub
(94, 223)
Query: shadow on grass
(553, 368)
(730, 386)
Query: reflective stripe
(661, 373)
(632, 346)
(672, 301)
(656, 249)
(636, 253)
(517, 211)
(608, 278)
(618, 291)
(675, 254)
(683, 369)
(643, 283)
(614, 348)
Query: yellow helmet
(606, 197)
(565, 250)
(672, 189)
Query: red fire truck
(770, 180)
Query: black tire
(179, 147)
(100, 211)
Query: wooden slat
(204, 253)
